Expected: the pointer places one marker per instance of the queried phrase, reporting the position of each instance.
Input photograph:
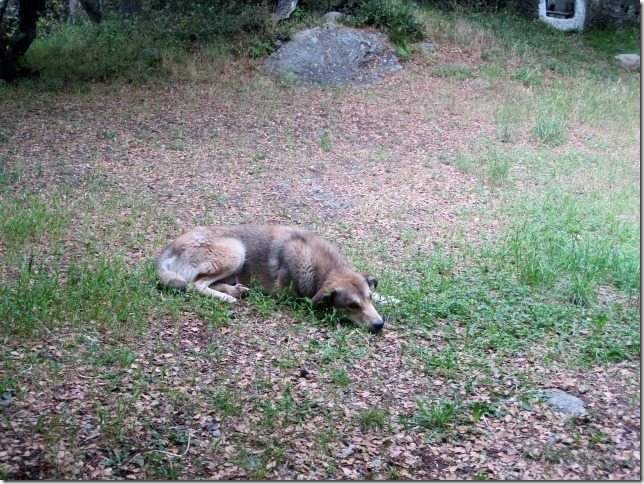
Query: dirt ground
(363, 167)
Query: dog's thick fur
(220, 261)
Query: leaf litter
(265, 395)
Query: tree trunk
(5, 3)
(93, 10)
(284, 9)
(29, 11)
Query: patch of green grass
(120, 355)
(461, 73)
(70, 55)
(434, 415)
(489, 308)
(158, 467)
(8, 175)
(108, 294)
(612, 41)
(30, 218)
(573, 247)
(325, 142)
(226, 402)
(491, 166)
(443, 362)
(528, 77)
(336, 348)
(374, 418)
(481, 409)
(550, 128)
(99, 52)
(215, 314)
(613, 337)
(257, 464)
(340, 377)
(281, 411)
(561, 68)
(9, 386)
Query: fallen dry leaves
(263, 396)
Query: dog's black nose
(376, 326)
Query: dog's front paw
(228, 298)
(384, 300)
(242, 291)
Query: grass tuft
(550, 128)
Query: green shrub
(81, 52)
(395, 18)
(77, 52)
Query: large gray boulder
(329, 55)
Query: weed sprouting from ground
(374, 418)
(434, 415)
(550, 129)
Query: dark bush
(397, 19)
(489, 6)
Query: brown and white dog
(220, 261)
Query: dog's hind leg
(225, 260)
(238, 291)
(220, 291)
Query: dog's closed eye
(353, 305)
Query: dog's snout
(376, 326)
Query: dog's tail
(166, 276)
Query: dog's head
(350, 292)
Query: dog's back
(275, 256)
(304, 260)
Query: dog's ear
(323, 297)
(371, 280)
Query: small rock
(565, 403)
(479, 83)
(582, 389)
(213, 427)
(334, 17)
(305, 373)
(427, 47)
(6, 399)
(348, 450)
(628, 61)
